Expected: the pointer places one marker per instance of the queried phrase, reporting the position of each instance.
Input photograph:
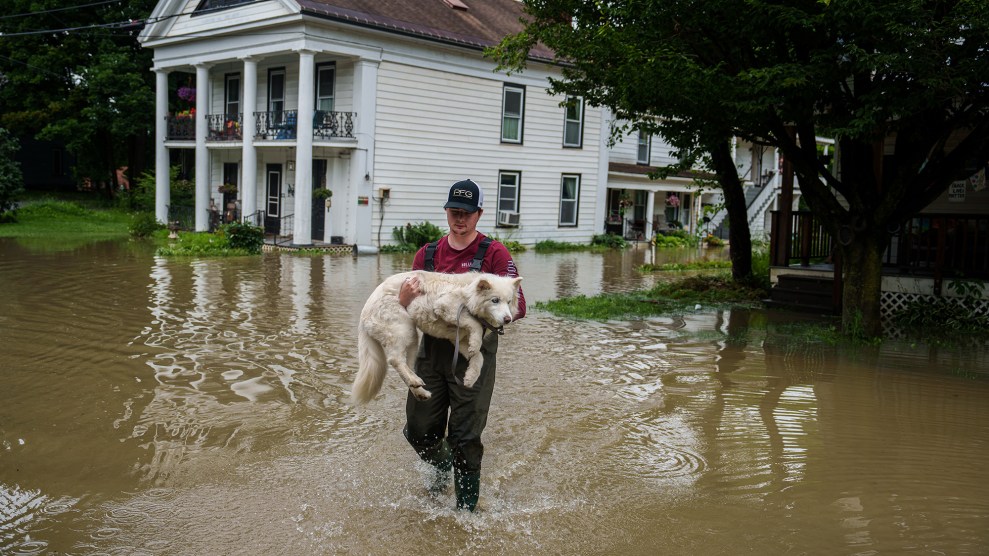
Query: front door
(273, 199)
(318, 203)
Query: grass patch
(198, 244)
(676, 267)
(671, 298)
(49, 225)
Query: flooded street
(199, 406)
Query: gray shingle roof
(483, 24)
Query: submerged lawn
(663, 299)
(62, 220)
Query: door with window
(273, 199)
(318, 202)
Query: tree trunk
(862, 262)
(739, 238)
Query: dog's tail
(373, 368)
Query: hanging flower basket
(187, 94)
(673, 200)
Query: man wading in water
(445, 430)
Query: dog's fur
(387, 332)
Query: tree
(77, 75)
(11, 179)
(900, 85)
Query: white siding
(209, 24)
(434, 128)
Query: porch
(925, 251)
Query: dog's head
(495, 299)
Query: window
(645, 144)
(513, 103)
(569, 199)
(573, 122)
(508, 198)
(231, 95)
(325, 74)
(276, 90)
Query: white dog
(457, 307)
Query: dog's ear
(483, 284)
(517, 282)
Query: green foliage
(411, 237)
(11, 178)
(671, 298)
(142, 195)
(714, 241)
(674, 238)
(201, 244)
(611, 241)
(244, 236)
(144, 224)
(698, 265)
(89, 88)
(549, 245)
(967, 313)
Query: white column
(650, 210)
(302, 232)
(249, 156)
(601, 197)
(202, 155)
(362, 162)
(162, 179)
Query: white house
(383, 104)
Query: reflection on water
(185, 406)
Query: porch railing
(937, 245)
(275, 125)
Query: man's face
(461, 222)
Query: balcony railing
(327, 125)
(180, 127)
(278, 125)
(224, 127)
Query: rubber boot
(441, 459)
(468, 488)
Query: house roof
(642, 169)
(484, 23)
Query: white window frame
(324, 98)
(506, 116)
(231, 85)
(573, 119)
(564, 201)
(644, 148)
(272, 73)
(509, 202)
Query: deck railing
(937, 245)
(276, 125)
(224, 127)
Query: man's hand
(408, 291)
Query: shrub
(612, 241)
(11, 178)
(413, 236)
(244, 236)
(144, 224)
(142, 196)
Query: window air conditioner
(508, 218)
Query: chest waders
(452, 442)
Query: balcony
(274, 126)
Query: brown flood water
(184, 406)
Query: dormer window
(212, 5)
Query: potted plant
(321, 193)
(228, 188)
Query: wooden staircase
(804, 293)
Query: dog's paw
(471, 376)
(416, 382)
(420, 393)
